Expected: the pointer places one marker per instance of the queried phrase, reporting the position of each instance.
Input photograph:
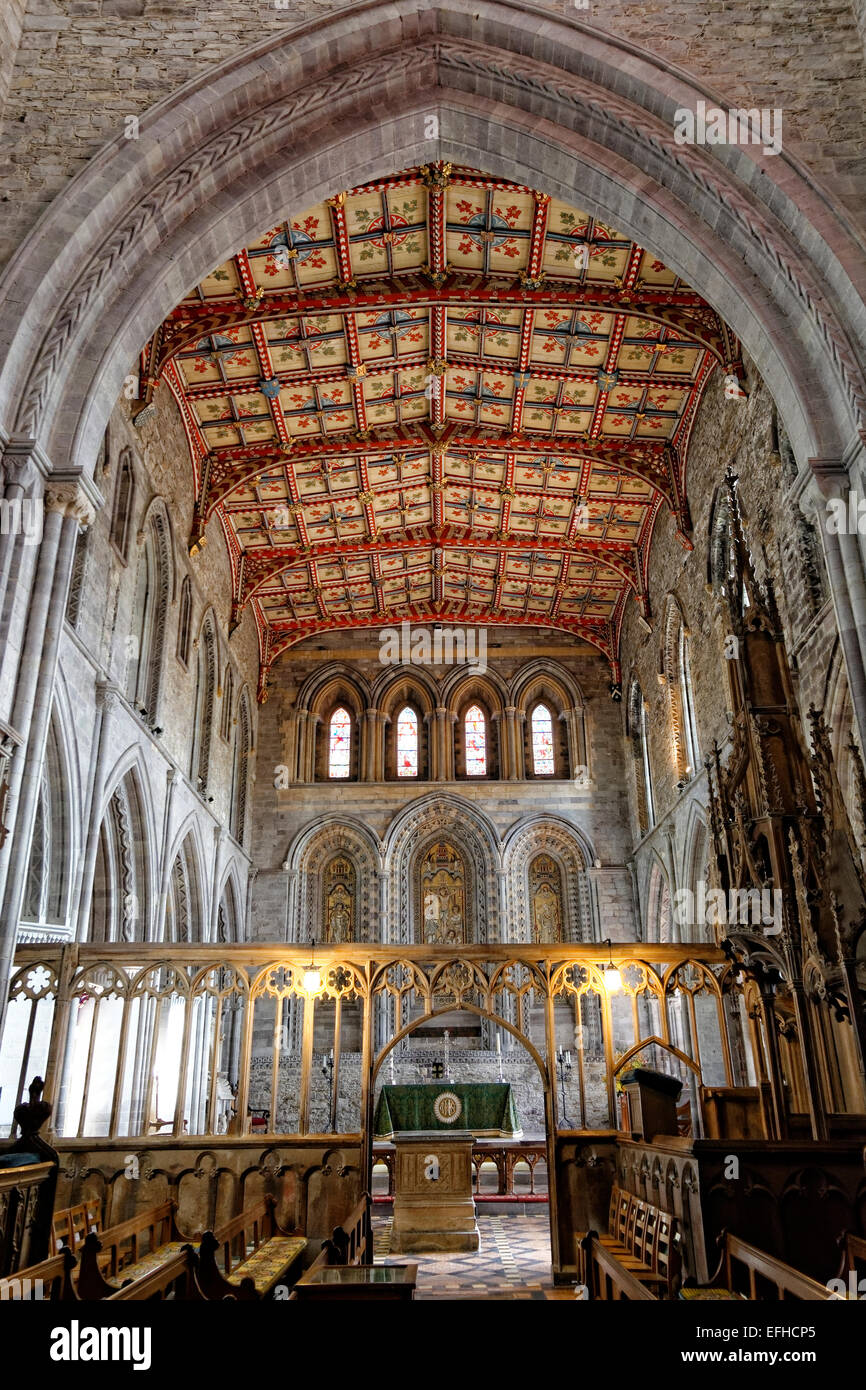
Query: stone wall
(83, 66)
(745, 434)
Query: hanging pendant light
(312, 975)
(610, 973)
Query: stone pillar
(21, 474)
(313, 722)
(368, 747)
(382, 722)
(508, 763)
(432, 748)
(442, 759)
(106, 700)
(172, 777)
(297, 765)
(66, 508)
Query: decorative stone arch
(457, 822)
(230, 925)
(338, 685)
(695, 868)
(550, 684)
(419, 691)
(675, 668)
(638, 743)
(658, 911)
(54, 839)
(154, 597)
(309, 856)
(490, 694)
(571, 852)
(241, 767)
(123, 891)
(184, 887)
(207, 676)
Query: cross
(437, 1071)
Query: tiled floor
(513, 1262)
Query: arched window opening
(340, 743)
(228, 702)
(204, 707)
(124, 497)
(149, 616)
(407, 743)
(184, 621)
(542, 742)
(639, 736)
(475, 727)
(241, 769)
(690, 728)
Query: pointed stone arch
(306, 863)
(572, 852)
(450, 820)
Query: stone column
(296, 766)
(313, 722)
(509, 764)
(21, 474)
(106, 700)
(172, 777)
(442, 759)
(432, 748)
(382, 722)
(66, 508)
(368, 750)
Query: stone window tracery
(407, 743)
(543, 763)
(339, 743)
(475, 729)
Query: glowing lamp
(610, 973)
(312, 975)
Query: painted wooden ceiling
(441, 397)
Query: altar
(486, 1110)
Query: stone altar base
(434, 1209)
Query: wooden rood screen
(190, 1040)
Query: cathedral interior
(433, 655)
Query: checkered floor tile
(513, 1261)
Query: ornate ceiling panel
(439, 397)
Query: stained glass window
(476, 742)
(340, 743)
(407, 743)
(542, 742)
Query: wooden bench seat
(129, 1251)
(255, 1253)
(172, 1278)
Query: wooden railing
(26, 1201)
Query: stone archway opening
(513, 1178)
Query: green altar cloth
(486, 1109)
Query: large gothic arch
(413, 832)
(572, 852)
(585, 110)
(308, 857)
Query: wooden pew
(255, 1253)
(611, 1279)
(129, 1250)
(50, 1281)
(767, 1279)
(642, 1240)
